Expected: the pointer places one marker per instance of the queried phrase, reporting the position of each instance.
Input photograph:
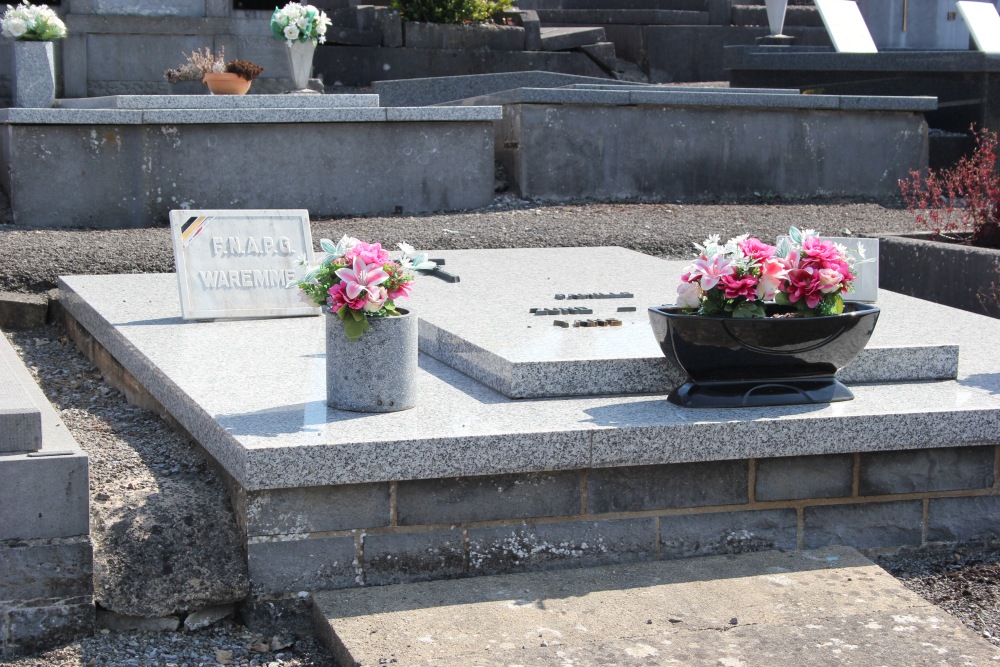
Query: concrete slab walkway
(825, 607)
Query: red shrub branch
(964, 198)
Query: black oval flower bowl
(757, 362)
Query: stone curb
(26, 311)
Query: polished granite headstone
(500, 324)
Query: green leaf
(795, 235)
(838, 304)
(342, 313)
(782, 299)
(355, 328)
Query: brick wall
(339, 536)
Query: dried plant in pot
(234, 80)
(196, 65)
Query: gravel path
(32, 258)
(133, 450)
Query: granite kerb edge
(417, 458)
(205, 430)
(783, 435)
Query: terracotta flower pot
(226, 83)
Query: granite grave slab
(220, 102)
(531, 356)
(270, 438)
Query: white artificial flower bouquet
(296, 22)
(32, 23)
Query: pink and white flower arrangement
(358, 280)
(738, 278)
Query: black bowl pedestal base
(760, 393)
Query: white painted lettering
(252, 247)
(284, 246)
(235, 245)
(234, 278)
(218, 243)
(289, 277)
(223, 281)
(268, 244)
(246, 278)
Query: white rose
(15, 27)
(302, 23)
(291, 32)
(689, 296)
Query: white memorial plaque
(984, 24)
(866, 274)
(240, 263)
(846, 26)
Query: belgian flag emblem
(192, 227)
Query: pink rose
(821, 251)
(376, 299)
(402, 291)
(757, 249)
(804, 284)
(369, 253)
(830, 280)
(338, 299)
(734, 287)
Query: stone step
(20, 418)
(764, 608)
(564, 39)
(647, 17)
(745, 14)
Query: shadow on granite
(637, 414)
(988, 381)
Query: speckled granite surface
(253, 393)
(523, 355)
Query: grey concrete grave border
(132, 165)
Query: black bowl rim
(861, 309)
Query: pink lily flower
(361, 278)
(710, 270)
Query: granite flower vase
(34, 75)
(300, 59)
(377, 372)
(755, 362)
(776, 15)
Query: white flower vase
(377, 372)
(34, 84)
(300, 57)
(776, 15)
